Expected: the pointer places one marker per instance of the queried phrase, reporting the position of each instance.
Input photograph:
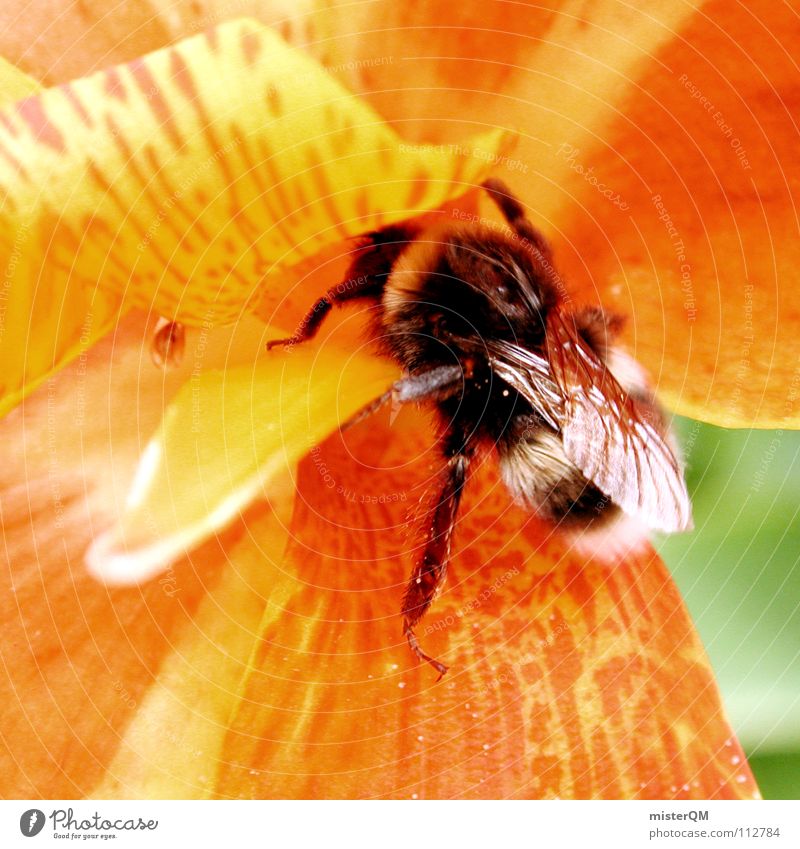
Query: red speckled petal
(568, 678)
(188, 182)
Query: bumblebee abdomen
(542, 479)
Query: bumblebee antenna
(513, 211)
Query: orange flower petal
(57, 42)
(682, 216)
(568, 678)
(84, 667)
(547, 70)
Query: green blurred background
(739, 572)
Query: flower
(257, 668)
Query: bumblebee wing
(528, 373)
(609, 436)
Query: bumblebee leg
(365, 278)
(309, 326)
(366, 412)
(514, 213)
(436, 384)
(429, 575)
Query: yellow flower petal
(65, 323)
(225, 439)
(187, 182)
(47, 317)
(14, 84)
